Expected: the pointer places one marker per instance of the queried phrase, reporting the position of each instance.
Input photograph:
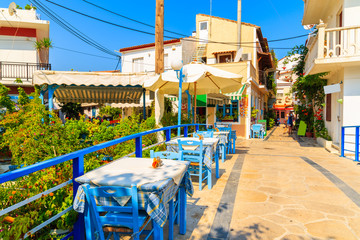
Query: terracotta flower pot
(309, 134)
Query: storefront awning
(93, 87)
(236, 95)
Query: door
(204, 32)
(337, 120)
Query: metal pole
(51, 97)
(144, 104)
(195, 102)
(342, 142)
(357, 133)
(180, 93)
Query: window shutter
(328, 107)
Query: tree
(5, 101)
(46, 44)
(43, 45)
(72, 110)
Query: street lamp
(177, 65)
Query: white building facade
(18, 56)
(336, 49)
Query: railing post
(0, 70)
(196, 127)
(27, 71)
(78, 170)
(357, 144)
(321, 39)
(138, 147)
(168, 134)
(342, 142)
(185, 131)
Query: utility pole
(159, 37)
(239, 24)
(159, 59)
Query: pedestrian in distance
(290, 122)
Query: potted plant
(219, 115)
(228, 118)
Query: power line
(145, 32)
(132, 19)
(89, 54)
(70, 28)
(181, 34)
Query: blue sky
(277, 19)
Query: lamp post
(177, 65)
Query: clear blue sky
(277, 19)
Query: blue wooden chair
(228, 146)
(115, 219)
(196, 157)
(257, 131)
(174, 204)
(167, 155)
(206, 134)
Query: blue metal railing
(356, 142)
(78, 170)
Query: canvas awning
(236, 95)
(93, 87)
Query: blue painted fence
(351, 136)
(78, 170)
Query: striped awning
(99, 94)
(236, 95)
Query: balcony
(333, 48)
(11, 71)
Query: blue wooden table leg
(209, 178)
(182, 211)
(177, 218)
(171, 219)
(158, 231)
(223, 153)
(217, 163)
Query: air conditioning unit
(246, 56)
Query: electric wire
(181, 34)
(71, 29)
(150, 33)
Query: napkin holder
(157, 162)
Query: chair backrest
(111, 192)
(167, 155)
(256, 127)
(233, 134)
(192, 150)
(224, 129)
(206, 134)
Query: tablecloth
(152, 195)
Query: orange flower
(13, 192)
(51, 194)
(11, 197)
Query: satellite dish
(308, 27)
(12, 8)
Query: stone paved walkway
(278, 188)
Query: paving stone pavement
(281, 188)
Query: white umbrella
(199, 79)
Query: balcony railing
(333, 44)
(22, 71)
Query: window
(282, 114)
(203, 26)
(138, 64)
(226, 58)
(328, 107)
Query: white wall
(351, 102)
(174, 51)
(17, 49)
(351, 12)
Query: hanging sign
(334, 88)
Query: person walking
(290, 122)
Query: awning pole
(195, 102)
(189, 103)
